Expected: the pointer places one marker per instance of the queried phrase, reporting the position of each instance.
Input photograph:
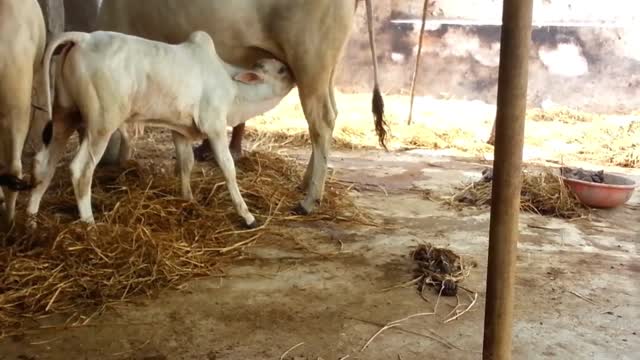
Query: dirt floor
(577, 292)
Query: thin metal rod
(507, 177)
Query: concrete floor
(578, 294)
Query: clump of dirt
(440, 268)
(583, 175)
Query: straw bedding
(146, 238)
(542, 193)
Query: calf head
(270, 72)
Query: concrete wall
(585, 54)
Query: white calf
(241, 111)
(106, 79)
(22, 41)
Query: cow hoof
(300, 210)
(251, 226)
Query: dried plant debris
(440, 268)
(146, 238)
(543, 193)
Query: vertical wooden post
(507, 179)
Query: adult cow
(22, 42)
(307, 35)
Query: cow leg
(125, 145)
(83, 166)
(204, 151)
(184, 164)
(46, 160)
(320, 114)
(235, 146)
(309, 170)
(13, 146)
(218, 139)
(112, 153)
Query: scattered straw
(542, 193)
(615, 145)
(290, 350)
(563, 115)
(146, 238)
(582, 297)
(460, 313)
(394, 324)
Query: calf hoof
(300, 210)
(251, 226)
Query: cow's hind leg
(13, 145)
(321, 116)
(82, 167)
(55, 137)
(218, 139)
(184, 164)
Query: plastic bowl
(615, 191)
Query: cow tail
(377, 103)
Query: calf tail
(377, 102)
(69, 39)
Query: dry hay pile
(624, 151)
(615, 145)
(347, 137)
(543, 193)
(563, 115)
(146, 239)
(440, 268)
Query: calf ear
(249, 77)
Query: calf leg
(46, 160)
(218, 140)
(184, 164)
(82, 168)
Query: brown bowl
(615, 191)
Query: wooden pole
(414, 80)
(507, 179)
